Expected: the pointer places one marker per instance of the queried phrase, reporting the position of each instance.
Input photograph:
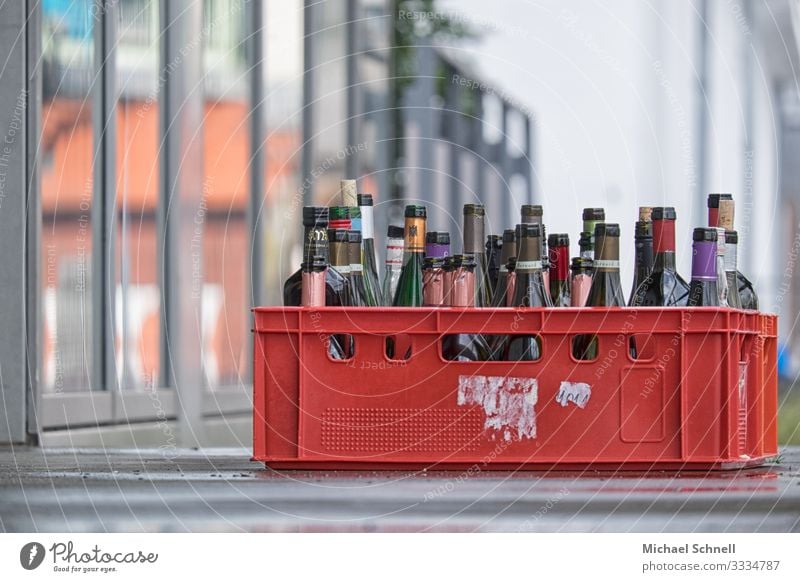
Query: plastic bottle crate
(701, 392)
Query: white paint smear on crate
(576, 392)
(507, 402)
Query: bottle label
(704, 261)
(394, 253)
(528, 265)
(356, 268)
(503, 269)
(731, 252)
(415, 234)
(605, 264)
(343, 269)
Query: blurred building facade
(171, 148)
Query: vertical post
(14, 195)
(702, 112)
(307, 154)
(181, 210)
(352, 168)
(255, 36)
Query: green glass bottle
(372, 285)
(409, 287)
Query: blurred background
(174, 143)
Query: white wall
(615, 93)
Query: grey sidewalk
(222, 490)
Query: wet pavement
(222, 490)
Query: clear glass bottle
(722, 281)
(731, 258)
(747, 294)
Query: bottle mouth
(315, 216)
(702, 234)
(664, 213)
(594, 214)
(713, 199)
(364, 199)
(558, 240)
(529, 230)
(416, 211)
(606, 229)
(395, 231)
(474, 209)
(437, 238)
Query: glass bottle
(581, 281)
(560, 291)
(409, 287)
(494, 248)
(529, 291)
(731, 252)
(722, 281)
(606, 289)
(703, 288)
(591, 218)
(643, 254)
(437, 244)
(394, 263)
(369, 261)
(534, 214)
(313, 295)
(664, 287)
(315, 243)
(464, 347)
(747, 295)
(511, 280)
(713, 208)
(473, 245)
(358, 294)
(433, 282)
(508, 250)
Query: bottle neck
(713, 217)
(394, 253)
(473, 234)
(415, 235)
(354, 258)
(339, 258)
(606, 254)
(433, 287)
(313, 288)
(529, 258)
(643, 261)
(462, 290)
(559, 264)
(437, 250)
(704, 261)
(367, 223)
(315, 243)
(731, 257)
(664, 245)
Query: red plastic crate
(702, 393)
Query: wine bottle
(591, 218)
(447, 279)
(340, 218)
(313, 295)
(703, 288)
(437, 244)
(731, 252)
(560, 290)
(409, 287)
(713, 208)
(315, 243)
(664, 287)
(358, 293)
(534, 214)
(372, 285)
(529, 291)
(508, 250)
(473, 245)
(581, 281)
(585, 245)
(340, 261)
(494, 248)
(511, 280)
(394, 263)
(722, 281)
(643, 251)
(606, 289)
(464, 347)
(433, 282)
(747, 294)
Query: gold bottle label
(415, 234)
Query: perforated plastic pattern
(393, 430)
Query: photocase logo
(31, 555)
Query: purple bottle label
(704, 261)
(436, 250)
